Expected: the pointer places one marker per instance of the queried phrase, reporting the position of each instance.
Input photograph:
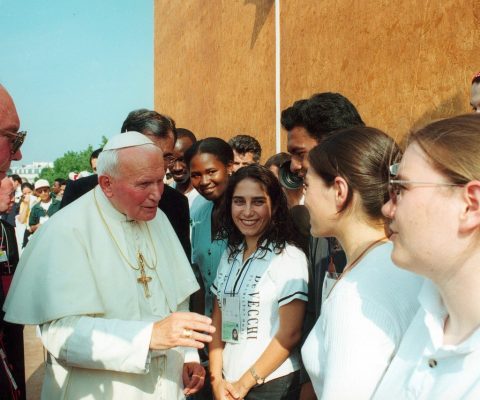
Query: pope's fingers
(191, 316)
(200, 337)
(193, 342)
(199, 327)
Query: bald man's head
(9, 125)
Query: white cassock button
(432, 363)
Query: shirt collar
(435, 314)
(260, 253)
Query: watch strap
(259, 380)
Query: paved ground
(34, 369)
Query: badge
(230, 319)
(3, 256)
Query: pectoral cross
(143, 279)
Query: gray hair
(107, 163)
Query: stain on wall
(401, 63)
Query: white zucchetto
(127, 139)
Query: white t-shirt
(425, 368)
(262, 286)
(360, 327)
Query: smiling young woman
(210, 163)
(261, 292)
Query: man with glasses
(10, 142)
(10, 138)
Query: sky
(75, 69)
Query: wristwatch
(260, 381)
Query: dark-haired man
(246, 151)
(308, 122)
(179, 168)
(93, 159)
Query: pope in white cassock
(108, 282)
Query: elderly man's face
(138, 186)
(7, 195)
(9, 123)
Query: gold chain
(140, 257)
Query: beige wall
(215, 67)
(401, 63)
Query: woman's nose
(388, 209)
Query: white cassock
(95, 319)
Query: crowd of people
(345, 268)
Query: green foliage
(71, 161)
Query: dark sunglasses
(17, 140)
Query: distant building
(30, 171)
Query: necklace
(143, 279)
(357, 259)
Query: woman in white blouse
(435, 213)
(368, 307)
(261, 291)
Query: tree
(71, 161)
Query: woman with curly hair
(261, 292)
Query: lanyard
(239, 275)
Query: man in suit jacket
(161, 131)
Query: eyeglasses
(397, 186)
(43, 190)
(169, 159)
(17, 140)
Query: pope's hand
(182, 329)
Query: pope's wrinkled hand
(182, 329)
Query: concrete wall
(401, 63)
